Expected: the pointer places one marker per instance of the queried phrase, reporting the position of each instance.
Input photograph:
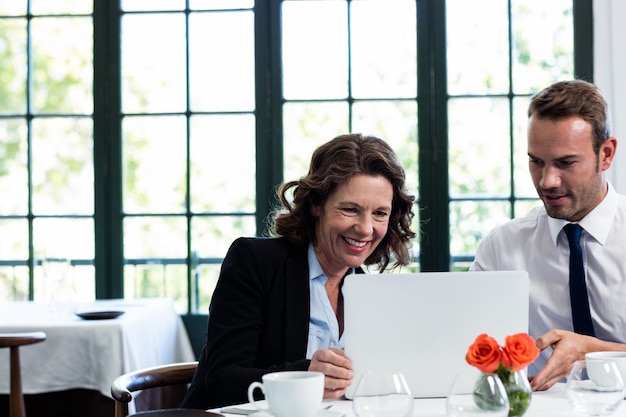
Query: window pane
(13, 167)
(72, 239)
(62, 166)
(13, 8)
(315, 49)
(396, 123)
(83, 280)
(478, 46)
(77, 286)
(219, 4)
(15, 248)
(212, 236)
(523, 183)
(156, 279)
(64, 238)
(61, 6)
(155, 237)
(62, 65)
(543, 41)
(12, 61)
(223, 162)
(471, 221)
(155, 164)
(207, 276)
(153, 63)
(147, 5)
(384, 62)
(215, 86)
(155, 250)
(524, 206)
(479, 147)
(13, 283)
(307, 126)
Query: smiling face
(352, 222)
(566, 172)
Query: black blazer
(258, 321)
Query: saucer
(321, 413)
(177, 412)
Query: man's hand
(567, 347)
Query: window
(187, 144)
(140, 138)
(526, 46)
(46, 145)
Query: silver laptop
(422, 324)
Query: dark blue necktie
(581, 316)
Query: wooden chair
(157, 376)
(13, 341)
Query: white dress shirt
(536, 244)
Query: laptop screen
(422, 324)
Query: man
(570, 147)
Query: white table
(551, 403)
(90, 354)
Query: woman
(277, 304)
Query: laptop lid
(422, 324)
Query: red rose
(519, 351)
(484, 354)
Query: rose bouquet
(508, 363)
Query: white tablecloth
(90, 354)
(550, 403)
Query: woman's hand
(336, 368)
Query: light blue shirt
(323, 324)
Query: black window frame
(434, 199)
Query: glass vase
(517, 389)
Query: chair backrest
(13, 341)
(157, 376)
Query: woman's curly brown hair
(332, 164)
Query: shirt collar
(597, 223)
(315, 269)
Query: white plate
(99, 315)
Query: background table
(90, 354)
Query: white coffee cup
(618, 357)
(290, 393)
